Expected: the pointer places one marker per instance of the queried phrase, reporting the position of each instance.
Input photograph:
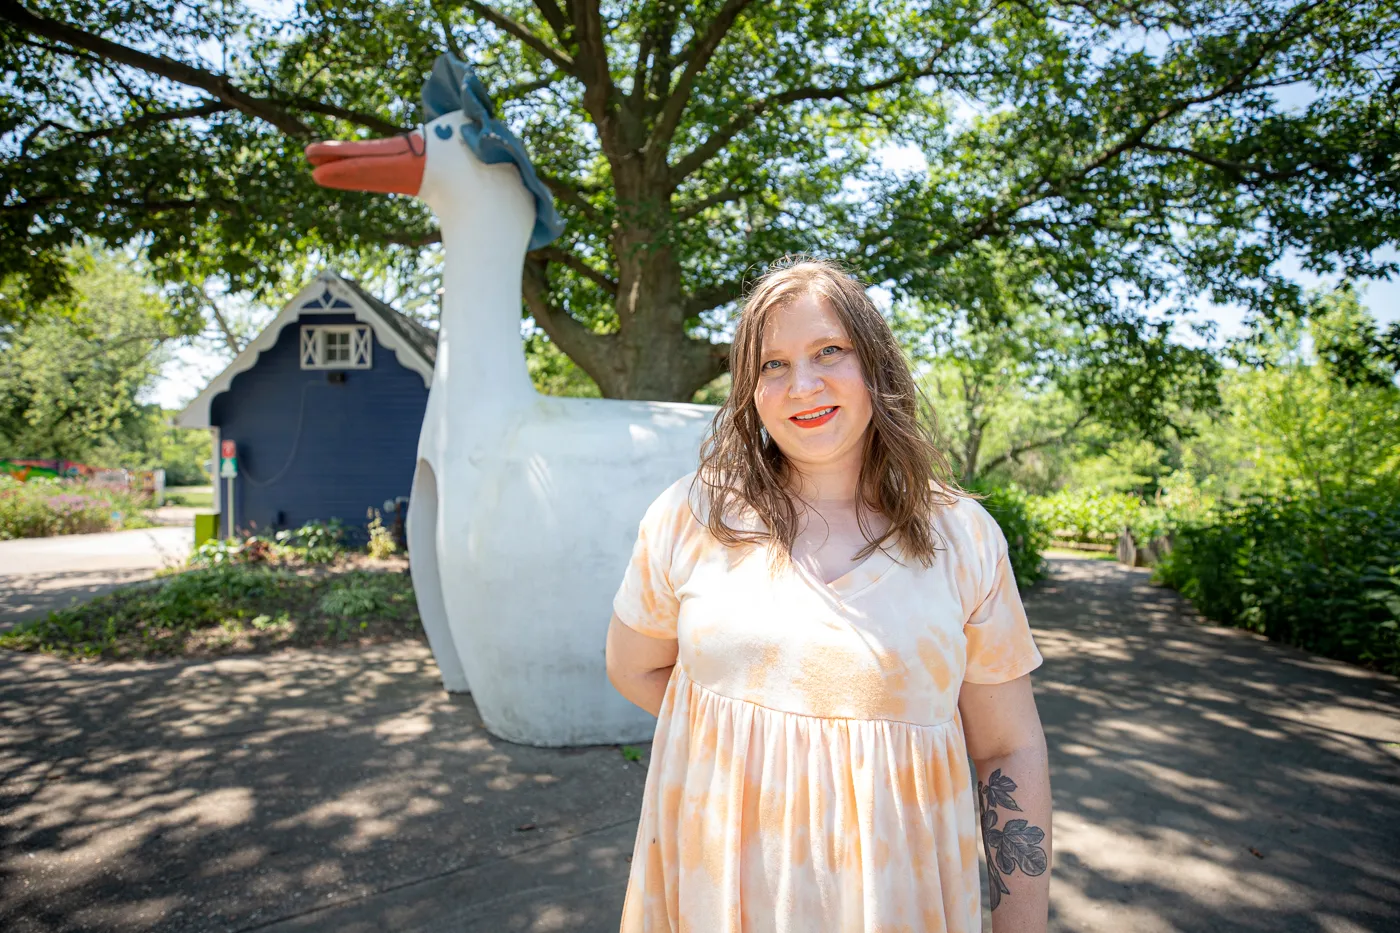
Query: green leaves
(1115, 157)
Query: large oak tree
(1129, 151)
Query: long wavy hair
(903, 476)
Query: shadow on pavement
(343, 791)
(1179, 751)
(28, 596)
(281, 792)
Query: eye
(770, 366)
(829, 351)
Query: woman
(826, 631)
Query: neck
(831, 484)
(479, 330)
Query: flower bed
(42, 507)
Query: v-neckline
(860, 577)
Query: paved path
(343, 792)
(38, 575)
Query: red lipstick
(807, 422)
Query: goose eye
(442, 131)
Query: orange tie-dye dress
(809, 771)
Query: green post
(206, 527)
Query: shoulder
(968, 529)
(678, 508)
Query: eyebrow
(826, 341)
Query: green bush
(226, 607)
(359, 596)
(1320, 574)
(315, 542)
(43, 506)
(1026, 536)
(1088, 515)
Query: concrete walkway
(38, 575)
(1204, 781)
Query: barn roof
(414, 345)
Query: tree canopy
(1120, 154)
(71, 380)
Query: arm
(639, 666)
(1007, 746)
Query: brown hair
(903, 473)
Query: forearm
(646, 689)
(1013, 795)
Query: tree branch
(506, 24)
(528, 87)
(696, 57)
(416, 240)
(589, 350)
(1237, 169)
(1019, 449)
(687, 211)
(219, 86)
(1046, 187)
(720, 293)
(567, 193)
(167, 116)
(569, 260)
(594, 70)
(555, 17)
(447, 37)
(711, 147)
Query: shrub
(226, 607)
(315, 542)
(358, 597)
(381, 541)
(1026, 536)
(1088, 515)
(1320, 574)
(44, 506)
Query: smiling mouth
(815, 416)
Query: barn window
(336, 346)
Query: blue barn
(324, 408)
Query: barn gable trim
(328, 293)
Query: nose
(806, 381)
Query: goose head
(464, 163)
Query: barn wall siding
(310, 449)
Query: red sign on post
(227, 449)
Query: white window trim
(313, 346)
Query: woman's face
(811, 394)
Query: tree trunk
(652, 357)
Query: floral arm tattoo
(1015, 845)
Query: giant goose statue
(524, 507)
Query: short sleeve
(999, 643)
(646, 601)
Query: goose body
(524, 507)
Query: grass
(199, 497)
(1075, 552)
(229, 609)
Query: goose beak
(387, 166)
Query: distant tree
(1130, 152)
(1307, 408)
(1321, 414)
(71, 378)
(1011, 377)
